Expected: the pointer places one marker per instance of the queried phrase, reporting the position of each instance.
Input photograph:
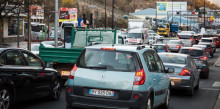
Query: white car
(35, 48)
(156, 36)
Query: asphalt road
(204, 98)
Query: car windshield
(192, 52)
(206, 40)
(110, 60)
(160, 47)
(173, 42)
(134, 35)
(175, 59)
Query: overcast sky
(216, 2)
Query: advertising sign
(37, 12)
(164, 7)
(67, 14)
(80, 23)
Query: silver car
(186, 74)
(175, 45)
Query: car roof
(196, 48)
(131, 48)
(175, 40)
(175, 54)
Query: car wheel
(150, 103)
(55, 89)
(166, 103)
(197, 86)
(5, 98)
(191, 91)
(69, 107)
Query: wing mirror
(170, 70)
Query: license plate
(172, 83)
(132, 40)
(65, 73)
(101, 92)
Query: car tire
(167, 99)
(69, 107)
(149, 103)
(55, 89)
(197, 86)
(5, 98)
(191, 91)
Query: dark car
(186, 74)
(161, 47)
(24, 76)
(198, 54)
(210, 49)
(206, 49)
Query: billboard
(164, 7)
(37, 12)
(67, 14)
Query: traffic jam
(137, 70)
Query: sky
(215, 2)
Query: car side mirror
(170, 70)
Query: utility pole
(156, 13)
(105, 15)
(48, 31)
(180, 15)
(18, 37)
(204, 13)
(29, 25)
(113, 2)
(56, 23)
(172, 11)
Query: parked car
(175, 45)
(209, 40)
(186, 75)
(210, 48)
(117, 76)
(24, 76)
(161, 47)
(199, 54)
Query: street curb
(217, 104)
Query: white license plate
(101, 92)
(65, 73)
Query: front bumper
(109, 103)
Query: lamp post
(105, 15)
(204, 13)
(172, 10)
(18, 25)
(113, 2)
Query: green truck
(63, 59)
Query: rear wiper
(98, 67)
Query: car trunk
(177, 67)
(120, 83)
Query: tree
(68, 3)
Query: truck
(137, 32)
(63, 59)
(168, 29)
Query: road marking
(216, 84)
(209, 89)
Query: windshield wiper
(97, 67)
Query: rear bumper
(100, 102)
(180, 83)
(174, 49)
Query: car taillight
(72, 73)
(178, 37)
(178, 46)
(168, 46)
(139, 78)
(185, 72)
(203, 58)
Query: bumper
(180, 83)
(99, 102)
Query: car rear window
(170, 58)
(160, 47)
(110, 60)
(192, 52)
(206, 40)
(173, 42)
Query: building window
(12, 27)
